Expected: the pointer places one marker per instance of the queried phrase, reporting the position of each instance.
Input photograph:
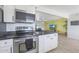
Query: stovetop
(12, 35)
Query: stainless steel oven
(25, 45)
(25, 40)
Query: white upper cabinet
(9, 13)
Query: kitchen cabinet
(41, 44)
(9, 13)
(47, 42)
(6, 46)
(53, 41)
(5, 50)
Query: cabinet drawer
(52, 35)
(5, 49)
(6, 43)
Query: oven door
(24, 45)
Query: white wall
(73, 31)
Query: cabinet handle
(51, 38)
(5, 42)
(48, 36)
(11, 49)
(13, 18)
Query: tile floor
(66, 45)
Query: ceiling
(45, 16)
(66, 9)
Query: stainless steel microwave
(22, 16)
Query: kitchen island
(47, 41)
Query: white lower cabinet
(41, 45)
(47, 42)
(6, 46)
(5, 49)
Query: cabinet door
(47, 43)
(8, 42)
(6, 46)
(41, 44)
(6, 49)
(9, 12)
(53, 41)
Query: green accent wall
(61, 25)
(47, 23)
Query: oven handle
(16, 41)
